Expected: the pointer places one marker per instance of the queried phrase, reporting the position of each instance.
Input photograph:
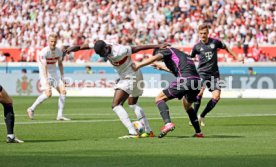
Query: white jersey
(120, 58)
(50, 58)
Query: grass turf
(239, 132)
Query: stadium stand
(24, 24)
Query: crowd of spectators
(242, 23)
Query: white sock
(140, 114)
(122, 114)
(61, 102)
(39, 100)
(11, 136)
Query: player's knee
(200, 94)
(8, 100)
(217, 98)
(7, 104)
(114, 105)
(216, 95)
(49, 95)
(63, 92)
(187, 106)
(157, 99)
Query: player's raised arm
(136, 49)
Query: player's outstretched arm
(136, 49)
(230, 51)
(136, 66)
(78, 47)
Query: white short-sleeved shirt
(120, 58)
(50, 57)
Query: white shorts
(54, 82)
(133, 85)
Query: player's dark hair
(99, 46)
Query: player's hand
(239, 58)
(164, 45)
(65, 50)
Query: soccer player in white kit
(130, 85)
(47, 59)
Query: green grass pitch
(239, 133)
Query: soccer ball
(139, 126)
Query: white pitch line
(79, 114)
(112, 114)
(114, 120)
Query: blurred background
(246, 26)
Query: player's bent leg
(119, 98)
(40, 99)
(216, 95)
(140, 114)
(210, 105)
(193, 117)
(197, 103)
(160, 101)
